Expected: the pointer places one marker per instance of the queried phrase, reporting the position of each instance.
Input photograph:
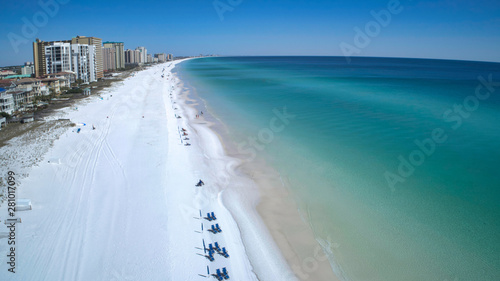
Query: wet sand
(277, 207)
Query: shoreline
(90, 173)
(233, 193)
(274, 207)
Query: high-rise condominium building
(40, 61)
(132, 56)
(39, 55)
(119, 53)
(97, 42)
(143, 54)
(28, 69)
(67, 57)
(57, 58)
(161, 57)
(108, 59)
(129, 56)
(83, 62)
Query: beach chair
(213, 230)
(218, 228)
(217, 247)
(210, 258)
(213, 216)
(219, 274)
(211, 255)
(224, 252)
(225, 274)
(220, 278)
(208, 217)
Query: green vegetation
(5, 114)
(74, 91)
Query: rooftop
(6, 82)
(49, 79)
(27, 80)
(18, 76)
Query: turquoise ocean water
(395, 160)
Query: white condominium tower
(58, 57)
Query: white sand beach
(120, 202)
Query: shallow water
(394, 160)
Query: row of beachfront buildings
(58, 64)
(20, 95)
(88, 57)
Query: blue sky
(447, 29)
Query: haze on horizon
(443, 29)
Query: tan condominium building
(108, 59)
(132, 57)
(119, 53)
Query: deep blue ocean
(395, 160)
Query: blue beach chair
(208, 217)
(225, 274)
(224, 253)
(220, 274)
(211, 255)
(217, 247)
(220, 278)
